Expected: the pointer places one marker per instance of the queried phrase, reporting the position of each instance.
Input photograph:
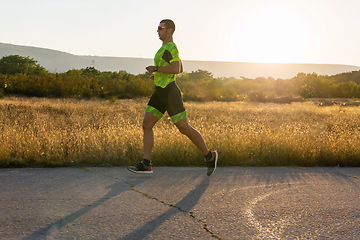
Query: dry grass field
(69, 132)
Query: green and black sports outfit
(167, 96)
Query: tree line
(24, 76)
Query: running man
(167, 98)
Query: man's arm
(174, 68)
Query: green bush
(23, 76)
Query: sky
(277, 31)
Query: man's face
(163, 31)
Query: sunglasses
(161, 28)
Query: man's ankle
(146, 162)
(208, 156)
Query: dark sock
(208, 156)
(146, 162)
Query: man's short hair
(169, 24)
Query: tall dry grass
(52, 132)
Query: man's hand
(174, 68)
(150, 69)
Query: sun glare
(273, 35)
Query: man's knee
(146, 126)
(149, 122)
(184, 128)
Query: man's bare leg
(148, 137)
(196, 137)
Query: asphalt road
(180, 203)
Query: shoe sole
(140, 172)
(216, 160)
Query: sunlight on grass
(52, 132)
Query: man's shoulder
(168, 52)
(170, 45)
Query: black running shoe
(140, 168)
(212, 163)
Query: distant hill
(57, 61)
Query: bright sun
(273, 35)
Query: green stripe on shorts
(179, 116)
(154, 111)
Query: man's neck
(170, 39)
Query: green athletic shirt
(167, 54)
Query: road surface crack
(188, 213)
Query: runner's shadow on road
(53, 229)
(184, 206)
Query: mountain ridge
(57, 61)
